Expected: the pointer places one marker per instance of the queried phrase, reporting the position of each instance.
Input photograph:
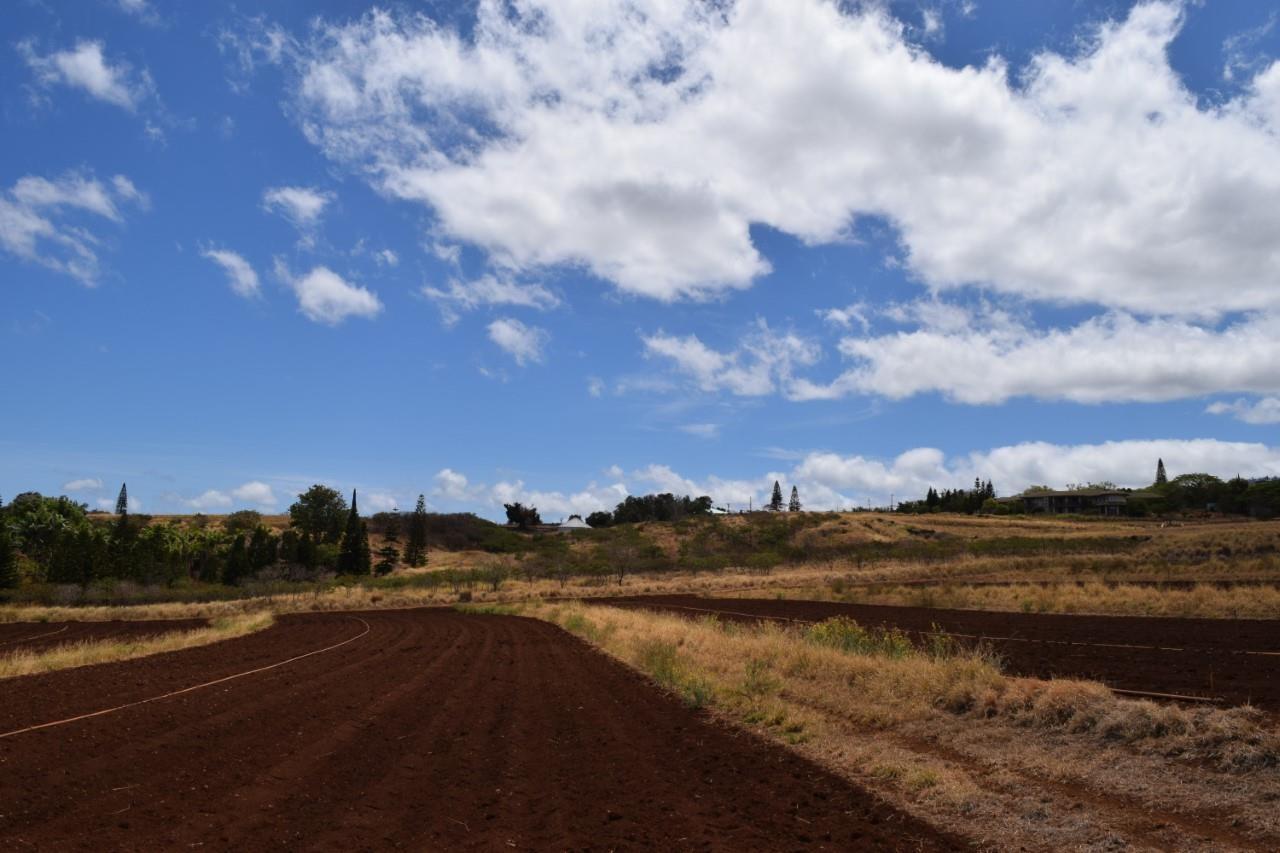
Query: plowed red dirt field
(39, 636)
(1234, 660)
(424, 729)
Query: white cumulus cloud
(87, 68)
(523, 343)
(325, 297)
(302, 206)
(643, 147)
(255, 492)
(990, 358)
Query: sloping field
(41, 636)
(1234, 660)
(424, 729)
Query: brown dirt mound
(434, 731)
(1230, 659)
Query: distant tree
(1161, 476)
(319, 511)
(415, 552)
(775, 502)
(354, 557)
(391, 531)
(263, 548)
(600, 519)
(794, 504)
(931, 499)
(388, 556)
(307, 556)
(242, 521)
(122, 501)
(237, 566)
(522, 516)
(8, 558)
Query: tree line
(48, 540)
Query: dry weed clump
(89, 652)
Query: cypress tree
(354, 557)
(1161, 476)
(794, 505)
(122, 502)
(415, 552)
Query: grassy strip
(87, 653)
(837, 671)
(1201, 600)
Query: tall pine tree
(775, 503)
(354, 556)
(415, 552)
(794, 504)
(122, 502)
(1161, 476)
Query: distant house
(1086, 501)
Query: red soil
(435, 730)
(1229, 659)
(40, 636)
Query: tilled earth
(42, 636)
(428, 730)
(1233, 660)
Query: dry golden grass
(72, 655)
(1009, 761)
(1093, 597)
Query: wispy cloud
(38, 221)
(240, 274)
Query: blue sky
(563, 252)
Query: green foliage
(388, 556)
(122, 500)
(8, 558)
(242, 521)
(659, 507)
(237, 565)
(415, 553)
(775, 502)
(794, 504)
(523, 517)
(847, 635)
(319, 511)
(263, 548)
(354, 556)
(661, 660)
(600, 518)
(952, 500)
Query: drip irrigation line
(190, 689)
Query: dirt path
(41, 636)
(1235, 660)
(434, 730)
